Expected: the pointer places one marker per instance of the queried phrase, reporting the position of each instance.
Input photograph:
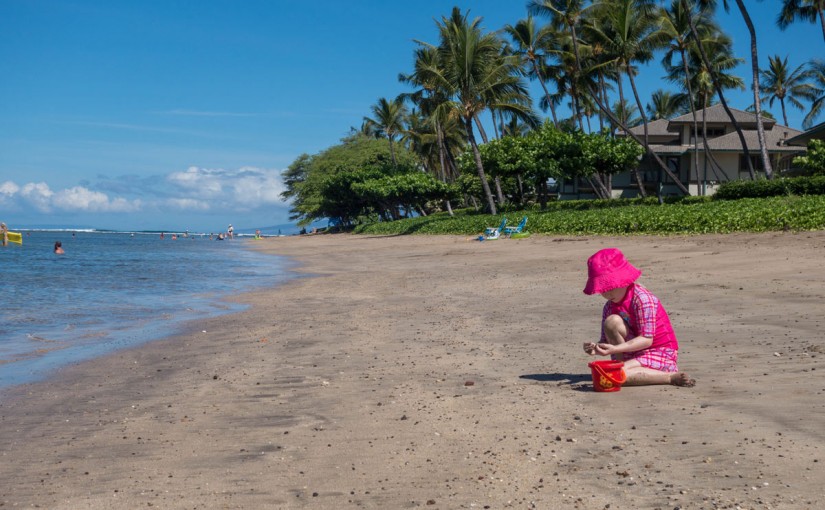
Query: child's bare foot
(682, 379)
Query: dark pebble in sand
(469, 383)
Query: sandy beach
(439, 372)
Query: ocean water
(112, 291)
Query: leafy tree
(814, 160)
(550, 153)
(322, 185)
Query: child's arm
(634, 344)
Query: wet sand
(439, 372)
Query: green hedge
(796, 213)
(735, 190)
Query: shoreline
(49, 331)
(350, 388)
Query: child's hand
(589, 348)
(605, 349)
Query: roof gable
(717, 114)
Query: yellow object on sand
(15, 237)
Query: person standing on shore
(636, 328)
(5, 232)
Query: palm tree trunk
(480, 129)
(718, 88)
(468, 124)
(442, 159)
(693, 112)
(499, 193)
(760, 129)
(598, 186)
(392, 152)
(642, 191)
(495, 125)
(483, 133)
(547, 95)
(613, 119)
(601, 91)
(784, 115)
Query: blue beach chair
(493, 233)
(518, 230)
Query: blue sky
(162, 114)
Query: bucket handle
(620, 381)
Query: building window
(674, 164)
(756, 161)
(711, 133)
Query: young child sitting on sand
(635, 326)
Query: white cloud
(38, 194)
(196, 191)
(200, 182)
(9, 188)
(244, 188)
(187, 204)
(79, 198)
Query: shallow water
(111, 291)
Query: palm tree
(757, 96)
(531, 42)
(778, 82)
(675, 26)
(666, 105)
(687, 5)
(388, 120)
(568, 13)
(627, 113)
(476, 76)
(805, 10)
(565, 14)
(704, 80)
(626, 28)
(430, 98)
(816, 73)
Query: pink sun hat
(607, 269)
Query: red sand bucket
(608, 375)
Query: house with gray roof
(815, 133)
(684, 153)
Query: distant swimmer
(230, 232)
(58, 248)
(5, 231)
(161, 235)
